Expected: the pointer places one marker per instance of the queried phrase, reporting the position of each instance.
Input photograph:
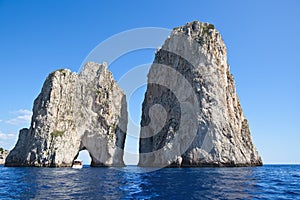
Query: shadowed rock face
(191, 91)
(72, 113)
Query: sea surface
(267, 182)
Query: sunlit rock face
(191, 115)
(72, 113)
(3, 155)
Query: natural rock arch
(89, 111)
(74, 112)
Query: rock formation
(191, 114)
(3, 155)
(72, 113)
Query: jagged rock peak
(72, 113)
(191, 90)
(196, 29)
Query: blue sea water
(267, 182)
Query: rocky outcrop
(191, 114)
(3, 155)
(72, 113)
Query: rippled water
(267, 182)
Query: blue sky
(262, 39)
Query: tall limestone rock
(191, 114)
(72, 113)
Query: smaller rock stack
(3, 155)
(73, 113)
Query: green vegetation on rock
(59, 70)
(57, 133)
(211, 26)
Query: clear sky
(262, 38)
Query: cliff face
(191, 114)
(72, 113)
(3, 155)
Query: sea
(132, 182)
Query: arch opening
(84, 156)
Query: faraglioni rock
(191, 114)
(3, 155)
(73, 113)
